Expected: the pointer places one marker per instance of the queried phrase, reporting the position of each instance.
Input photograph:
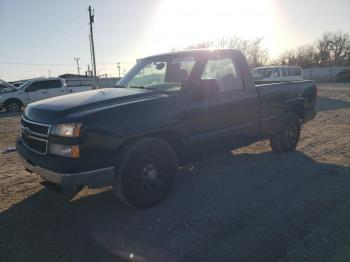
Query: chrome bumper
(92, 178)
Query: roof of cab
(283, 66)
(204, 51)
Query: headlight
(72, 151)
(66, 130)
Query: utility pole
(77, 60)
(88, 72)
(91, 21)
(118, 66)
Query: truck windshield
(159, 73)
(6, 87)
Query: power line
(34, 64)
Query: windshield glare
(159, 73)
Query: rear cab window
(225, 72)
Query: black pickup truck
(168, 109)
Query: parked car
(343, 76)
(168, 109)
(34, 90)
(5, 87)
(277, 74)
(18, 83)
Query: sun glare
(184, 22)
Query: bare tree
(304, 56)
(331, 49)
(255, 53)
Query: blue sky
(38, 35)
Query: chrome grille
(35, 136)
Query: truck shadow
(4, 114)
(325, 103)
(222, 191)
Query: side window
(54, 84)
(289, 70)
(296, 71)
(40, 85)
(34, 87)
(276, 72)
(284, 71)
(225, 72)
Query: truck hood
(58, 109)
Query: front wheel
(287, 138)
(145, 172)
(13, 105)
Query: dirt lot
(251, 205)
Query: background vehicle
(277, 74)
(5, 87)
(18, 83)
(166, 111)
(36, 89)
(343, 76)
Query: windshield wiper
(143, 87)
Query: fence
(324, 73)
(88, 81)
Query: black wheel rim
(150, 178)
(13, 107)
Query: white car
(277, 73)
(13, 98)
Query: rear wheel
(13, 105)
(145, 172)
(287, 138)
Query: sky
(42, 37)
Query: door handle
(44, 92)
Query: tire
(287, 138)
(13, 105)
(145, 173)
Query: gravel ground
(248, 205)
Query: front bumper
(94, 178)
(66, 172)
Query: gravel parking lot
(247, 205)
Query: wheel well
(298, 109)
(172, 138)
(13, 99)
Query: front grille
(33, 127)
(38, 146)
(35, 136)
